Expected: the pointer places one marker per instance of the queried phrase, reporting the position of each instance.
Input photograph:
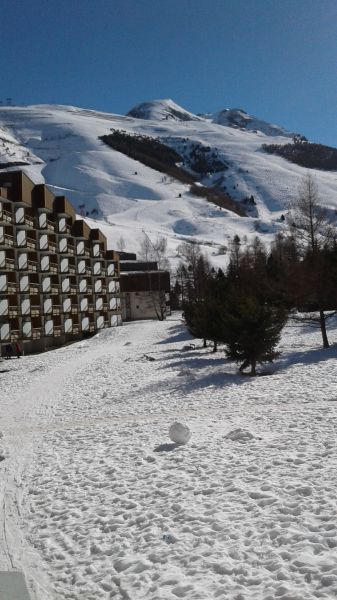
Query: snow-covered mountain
(60, 145)
(238, 118)
(162, 110)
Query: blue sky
(276, 59)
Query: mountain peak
(239, 119)
(161, 110)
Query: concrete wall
(141, 305)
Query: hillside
(61, 145)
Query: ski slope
(59, 145)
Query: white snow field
(98, 503)
(59, 145)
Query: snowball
(179, 433)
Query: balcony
(54, 290)
(72, 271)
(15, 334)
(29, 221)
(76, 330)
(74, 310)
(50, 247)
(34, 289)
(57, 331)
(12, 288)
(66, 230)
(48, 225)
(5, 217)
(31, 244)
(35, 311)
(53, 268)
(56, 309)
(13, 313)
(36, 333)
(73, 291)
(8, 265)
(92, 327)
(31, 266)
(7, 241)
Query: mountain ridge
(62, 148)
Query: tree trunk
(253, 369)
(244, 365)
(215, 346)
(205, 343)
(323, 329)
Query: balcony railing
(33, 289)
(36, 333)
(72, 271)
(15, 333)
(50, 247)
(56, 309)
(7, 240)
(29, 221)
(31, 266)
(53, 269)
(65, 230)
(76, 329)
(35, 311)
(74, 310)
(5, 217)
(54, 290)
(50, 226)
(90, 309)
(11, 288)
(73, 291)
(57, 331)
(31, 244)
(8, 265)
(13, 312)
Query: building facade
(58, 281)
(145, 290)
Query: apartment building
(58, 281)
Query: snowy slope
(238, 118)
(99, 504)
(61, 146)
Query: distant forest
(306, 154)
(156, 155)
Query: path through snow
(98, 504)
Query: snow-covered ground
(97, 503)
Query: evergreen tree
(251, 330)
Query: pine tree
(251, 330)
